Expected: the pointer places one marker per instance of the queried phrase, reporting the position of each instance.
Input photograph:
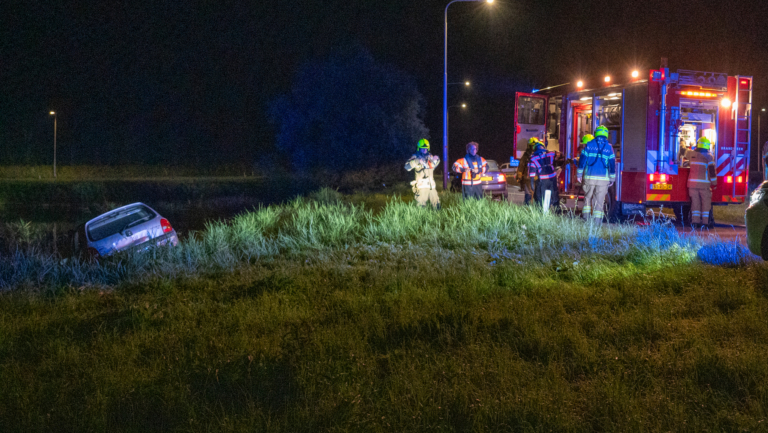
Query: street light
(445, 90)
(55, 116)
(760, 149)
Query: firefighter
(701, 179)
(522, 172)
(472, 167)
(596, 173)
(423, 164)
(542, 164)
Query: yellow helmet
(704, 143)
(587, 138)
(601, 131)
(423, 144)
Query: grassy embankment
(319, 315)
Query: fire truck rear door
(530, 120)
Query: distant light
(489, 1)
(463, 105)
(581, 84)
(635, 74)
(466, 83)
(53, 112)
(584, 98)
(763, 109)
(725, 102)
(607, 78)
(612, 94)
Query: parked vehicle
(129, 228)
(757, 221)
(494, 182)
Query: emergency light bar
(699, 94)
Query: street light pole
(445, 92)
(55, 118)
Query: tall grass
(316, 228)
(324, 315)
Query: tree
(349, 112)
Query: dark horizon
(168, 83)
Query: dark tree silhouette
(349, 112)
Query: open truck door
(530, 120)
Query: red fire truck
(650, 118)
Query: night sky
(174, 82)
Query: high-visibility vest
(467, 177)
(543, 164)
(702, 173)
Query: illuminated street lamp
(55, 116)
(445, 90)
(579, 84)
(607, 79)
(635, 74)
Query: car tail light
(502, 178)
(729, 179)
(165, 225)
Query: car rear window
(118, 221)
(492, 166)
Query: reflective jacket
(465, 166)
(543, 164)
(597, 162)
(424, 168)
(702, 169)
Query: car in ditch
(756, 219)
(129, 228)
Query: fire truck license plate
(661, 186)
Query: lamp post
(55, 118)
(760, 146)
(445, 91)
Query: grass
(324, 314)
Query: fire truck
(652, 119)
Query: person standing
(701, 180)
(472, 167)
(596, 173)
(522, 172)
(543, 165)
(423, 164)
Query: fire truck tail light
(663, 178)
(725, 102)
(739, 179)
(729, 179)
(651, 177)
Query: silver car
(132, 227)
(757, 220)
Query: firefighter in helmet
(543, 164)
(701, 180)
(472, 167)
(522, 171)
(596, 173)
(423, 164)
